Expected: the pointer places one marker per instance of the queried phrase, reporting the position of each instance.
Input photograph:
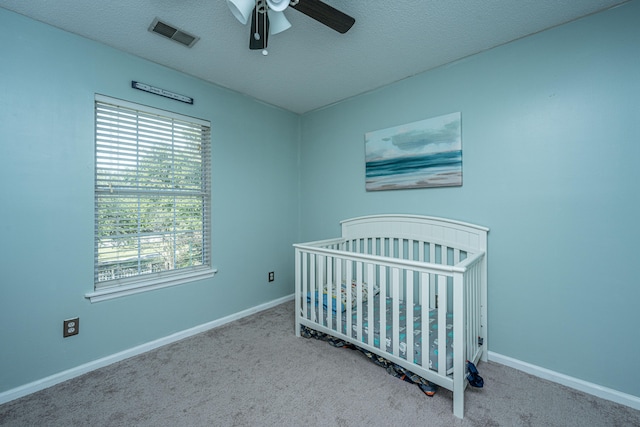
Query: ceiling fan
(267, 17)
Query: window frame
(104, 290)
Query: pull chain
(264, 50)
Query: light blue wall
(551, 145)
(48, 79)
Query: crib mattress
(432, 337)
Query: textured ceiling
(309, 66)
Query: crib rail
(409, 272)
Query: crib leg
(297, 322)
(458, 401)
(459, 356)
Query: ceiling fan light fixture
(278, 22)
(241, 9)
(278, 5)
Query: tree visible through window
(152, 194)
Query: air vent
(173, 33)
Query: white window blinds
(152, 193)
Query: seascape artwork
(422, 154)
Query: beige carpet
(255, 372)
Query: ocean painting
(427, 153)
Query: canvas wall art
(427, 153)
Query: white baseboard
(575, 383)
(52, 380)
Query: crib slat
(475, 296)
(442, 324)
(383, 308)
(359, 318)
(304, 286)
(432, 293)
(401, 255)
(409, 316)
(312, 288)
(370, 280)
(320, 284)
(395, 289)
(347, 284)
(339, 306)
(472, 287)
(424, 316)
(330, 282)
(432, 253)
(468, 316)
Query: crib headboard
(468, 237)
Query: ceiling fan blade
(259, 30)
(325, 14)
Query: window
(152, 198)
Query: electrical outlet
(70, 327)
(271, 276)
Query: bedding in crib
(343, 296)
(417, 310)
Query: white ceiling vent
(173, 33)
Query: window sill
(148, 285)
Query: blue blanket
(417, 325)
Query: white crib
(366, 281)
